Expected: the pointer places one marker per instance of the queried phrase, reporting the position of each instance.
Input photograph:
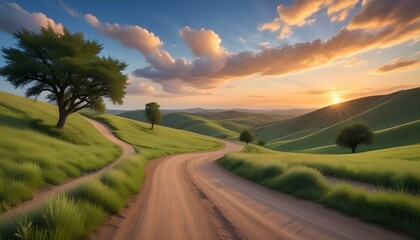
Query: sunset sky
(241, 54)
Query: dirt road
(47, 192)
(190, 196)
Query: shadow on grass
(36, 125)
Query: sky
(240, 54)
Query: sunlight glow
(335, 98)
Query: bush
(300, 181)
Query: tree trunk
(62, 117)
(152, 126)
(353, 149)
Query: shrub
(300, 181)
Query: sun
(335, 98)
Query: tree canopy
(246, 136)
(354, 134)
(153, 114)
(67, 67)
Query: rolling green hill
(225, 124)
(34, 153)
(394, 117)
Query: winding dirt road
(49, 191)
(189, 196)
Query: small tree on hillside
(153, 114)
(246, 136)
(261, 142)
(67, 67)
(353, 134)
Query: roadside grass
(399, 209)
(34, 153)
(393, 168)
(86, 206)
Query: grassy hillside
(394, 117)
(225, 124)
(192, 123)
(34, 153)
(77, 213)
(244, 118)
(302, 175)
(162, 139)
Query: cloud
(273, 26)
(352, 61)
(319, 92)
(14, 18)
(137, 86)
(302, 12)
(255, 96)
(340, 9)
(203, 43)
(379, 14)
(213, 65)
(129, 36)
(399, 65)
(176, 75)
(69, 10)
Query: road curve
(44, 193)
(189, 196)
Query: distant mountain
(395, 117)
(115, 112)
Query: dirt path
(190, 196)
(47, 192)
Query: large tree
(153, 114)
(67, 67)
(354, 134)
(246, 136)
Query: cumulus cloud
(302, 12)
(14, 18)
(213, 65)
(399, 65)
(203, 43)
(138, 86)
(176, 75)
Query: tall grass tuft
(300, 181)
(392, 209)
(99, 194)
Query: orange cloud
(380, 14)
(399, 65)
(340, 9)
(273, 26)
(301, 13)
(213, 65)
(202, 42)
(130, 36)
(13, 18)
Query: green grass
(302, 176)
(34, 153)
(395, 168)
(394, 117)
(86, 206)
(226, 124)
